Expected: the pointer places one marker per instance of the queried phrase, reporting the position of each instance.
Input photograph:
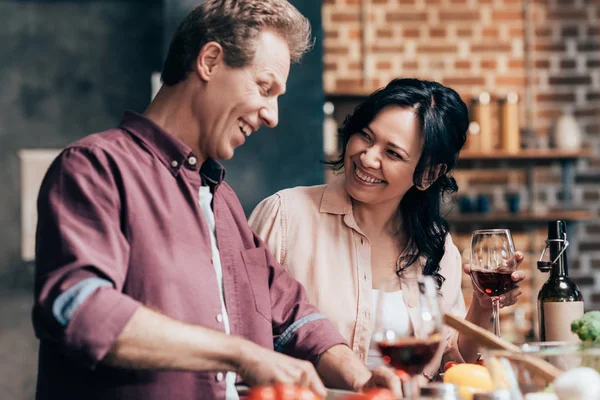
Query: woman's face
(380, 160)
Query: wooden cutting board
(488, 340)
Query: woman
(381, 221)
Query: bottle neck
(560, 268)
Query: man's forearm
(154, 341)
(339, 368)
(480, 317)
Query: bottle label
(557, 320)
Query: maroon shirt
(121, 207)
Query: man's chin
(226, 154)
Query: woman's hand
(507, 299)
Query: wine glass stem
(496, 315)
(410, 388)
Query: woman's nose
(370, 158)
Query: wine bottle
(559, 300)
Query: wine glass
(408, 349)
(492, 263)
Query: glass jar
(495, 395)
(439, 391)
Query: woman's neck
(376, 220)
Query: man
(149, 282)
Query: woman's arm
(479, 316)
(266, 221)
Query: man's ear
(439, 171)
(209, 57)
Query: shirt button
(365, 277)
(192, 160)
(174, 164)
(367, 314)
(219, 376)
(411, 304)
(219, 318)
(361, 241)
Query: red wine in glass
(409, 354)
(493, 283)
(408, 351)
(492, 261)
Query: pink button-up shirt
(121, 208)
(313, 234)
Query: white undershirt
(205, 201)
(400, 323)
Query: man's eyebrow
(276, 82)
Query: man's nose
(270, 114)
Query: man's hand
(260, 366)
(340, 368)
(507, 299)
(384, 377)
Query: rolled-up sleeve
(81, 256)
(300, 330)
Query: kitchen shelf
(521, 217)
(528, 154)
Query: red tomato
(281, 391)
(449, 365)
(262, 393)
(372, 394)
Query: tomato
(281, 391)
(372, 394)
(449, 365)
(262, 393)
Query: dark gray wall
(290, 154)
(67, 69)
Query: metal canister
(440, 391)
(495, 395)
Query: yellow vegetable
(471, 376)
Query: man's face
(238, 101)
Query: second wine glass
(408, 351)
(492, 264)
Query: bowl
(513, 374)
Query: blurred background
(528, 69)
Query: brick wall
(548, 51)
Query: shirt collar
(172, 152)
(213, 172)
(335, 200)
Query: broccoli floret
(587, 327)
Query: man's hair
(235, 25)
